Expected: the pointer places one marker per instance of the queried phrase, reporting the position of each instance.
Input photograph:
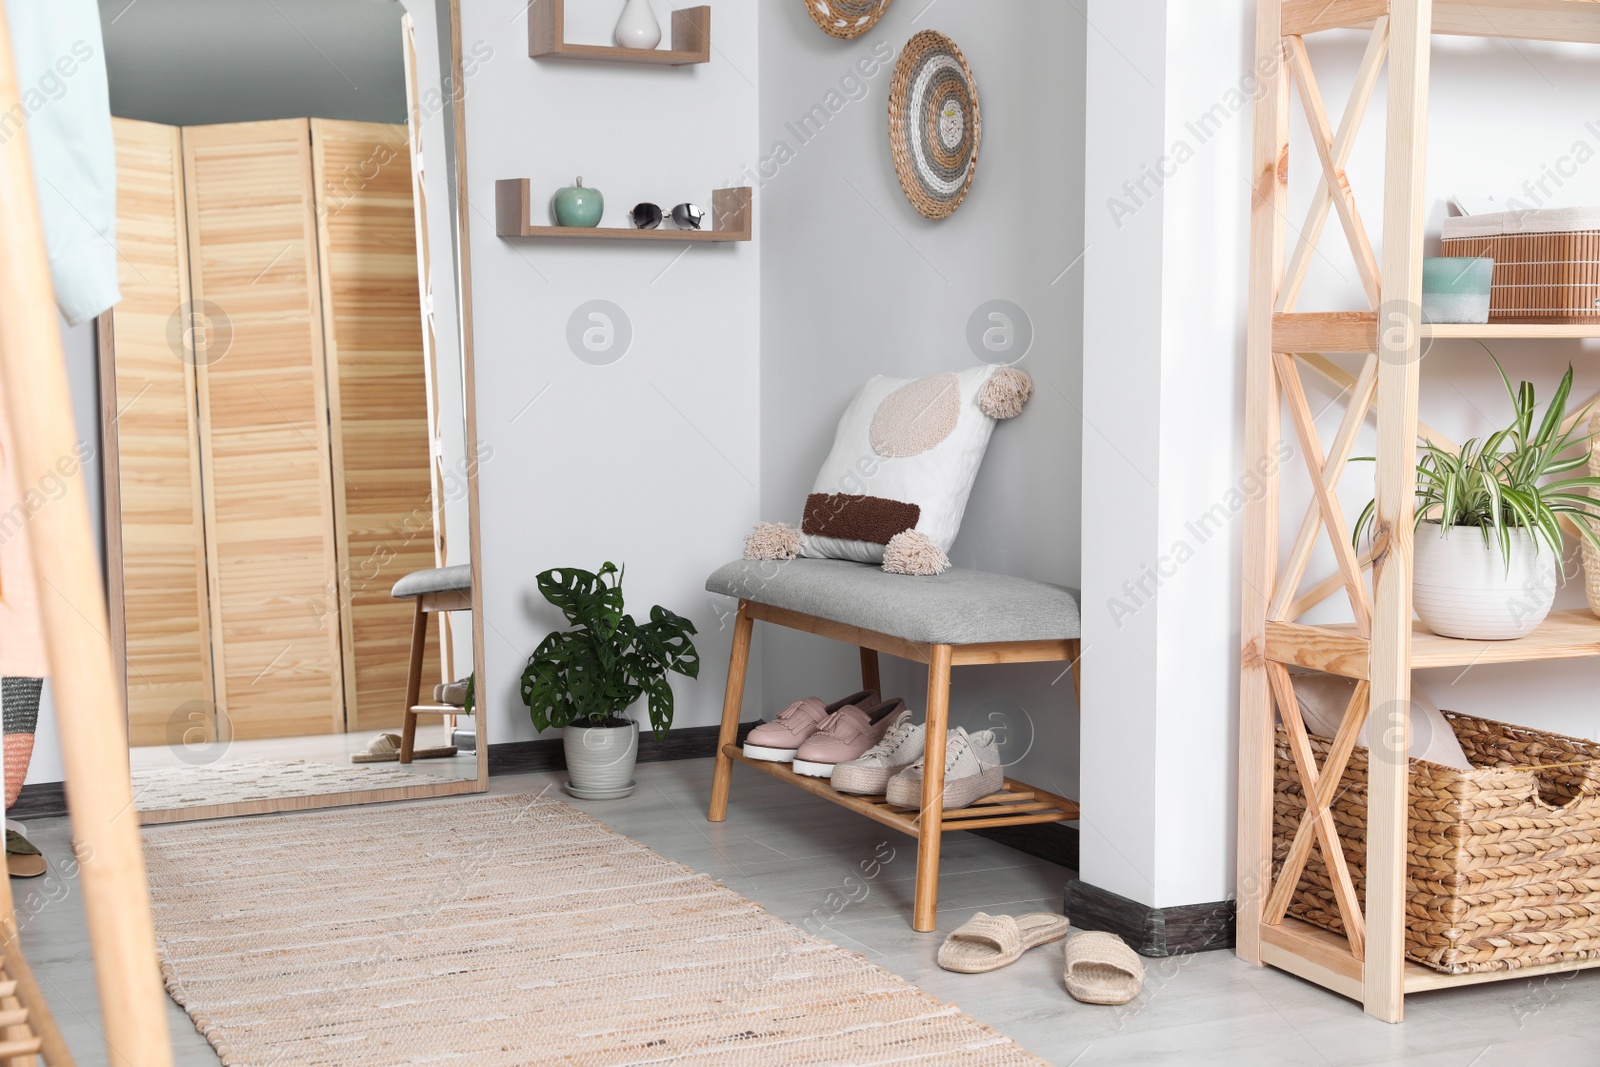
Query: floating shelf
(513, 217)
(691, 39)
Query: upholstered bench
(438, 589)
(957, 618)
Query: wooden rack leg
(869, 671)
(1075, 665)
(91, 719)
(732, 702)
(419, 639)
(925, 913)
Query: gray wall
(856, 283)
(192, 62)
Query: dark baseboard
(545, 754)
(1151, 931)
(41, 800)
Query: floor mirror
(288, 429)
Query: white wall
(650, 461)
(1159, 824)
(83, 376)
(856, 283)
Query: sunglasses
(648, 216)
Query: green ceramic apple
(576, 205)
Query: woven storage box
(1546, 263)
(1503, 862)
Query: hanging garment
(19, 709)
(66, 109)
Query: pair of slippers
(1100, 968)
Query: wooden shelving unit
(691, 39)
(731, 217)
(1383, 644)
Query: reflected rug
(509, 931)
(230, 783)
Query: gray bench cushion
(440, 580)
(958, 607)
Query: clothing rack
(105, 824)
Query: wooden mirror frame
(111, 485)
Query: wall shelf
(731, 218)
(691, 39)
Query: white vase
(638, 28)
(600, 760)
(1461, 587)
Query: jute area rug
(509, 931)
(230, 783)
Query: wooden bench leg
(732, 702)
(925, 913)
(1075, 665)
(869, 671)
(419, 638)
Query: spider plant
(1494, 484)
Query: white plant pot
(600, 760)
(1461, 587)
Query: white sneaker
(869, 774)
(972, 771)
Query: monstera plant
(585, 678)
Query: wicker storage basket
(1503, 866)
(1546, 263)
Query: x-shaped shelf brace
(1333, 195)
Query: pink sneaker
(846, 735)
(780, 739)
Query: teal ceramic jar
(576, 205)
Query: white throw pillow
(904, 459)
(1324, 697)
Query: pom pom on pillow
(1003, 396)
(909, 552)
(772, 540)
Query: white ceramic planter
(600, 760)
(1461, 587)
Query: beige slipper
(1102, 969)
(22, 857)
(385, 748)
(990, 942)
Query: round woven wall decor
(846, 18)
(934, 124)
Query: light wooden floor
(790, 851)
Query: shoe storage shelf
(1382, 645)
(1017, 804)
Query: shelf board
(1529, 20)
(691, 39)
(731, 216)
(1533, 331)
(1357, 331)
(1323, 957)
(1338, 650)
(1018, 804)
